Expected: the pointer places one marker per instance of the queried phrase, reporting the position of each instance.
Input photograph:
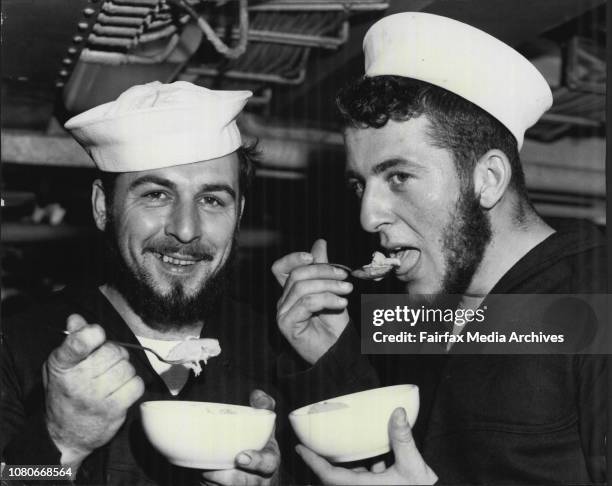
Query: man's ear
(492, 176)
(98, 204)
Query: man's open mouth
(181, 261)
(408, 256)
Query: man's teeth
(397, 253)
(176, 261)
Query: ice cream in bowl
(205, 435)
(353, 427)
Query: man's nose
(375, 209)
(184, 222)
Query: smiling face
(173, 231)
(412, 197)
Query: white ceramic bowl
(205, 435)
(358, 430)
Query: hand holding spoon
(195, 350)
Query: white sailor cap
(461, 59)
(158, 125)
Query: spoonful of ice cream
(377, 269)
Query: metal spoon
(362, 274)
(144, 348)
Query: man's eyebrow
(151, 179)
(351, 174)
(381, 167)
(218, 188)
(161, 181)
(388, 164)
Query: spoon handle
(137, 346)
(343, 267)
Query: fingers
(114, 378)
(253, 468)
(104, 358)
(308, 305)
(217, 478)
(327, 473)
(300, 267)
(126, 395)
(308, 288)
(285, 265)
(260, 399)
(232, 477)
(319, 251)
(225, 477)
(81, 342)
(264, 462)
(378, 467)
(315, 271)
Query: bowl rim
(303, 411)
(245, 409)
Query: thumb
(402, 441)
(319, 251)
(260, 399)
(75, 322)
(79, 344)
(408, 460)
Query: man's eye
(212, 201)
(156, 195)
(398, 178)
(356, 187)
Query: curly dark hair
(248, 156)
(457, 125)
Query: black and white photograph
(304, 242)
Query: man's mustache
(194, 251)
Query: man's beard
(465, 240)
(174, 310)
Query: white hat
(461, 59)
(158, 125)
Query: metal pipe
(158, 23)
(119, 20)
(263, 77)
(111, 8)
(573, 181)
(156, 58)
(158, 34)
(103, 57)
(571, 119)
(213, 38)
(118, 58)
(303, 40)
(102, 41)
(148, 3)
(321, 6)
(106, 30)
(595, 213)
(560, 198)
(162, 16)
(261, 100)
(253, 125)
